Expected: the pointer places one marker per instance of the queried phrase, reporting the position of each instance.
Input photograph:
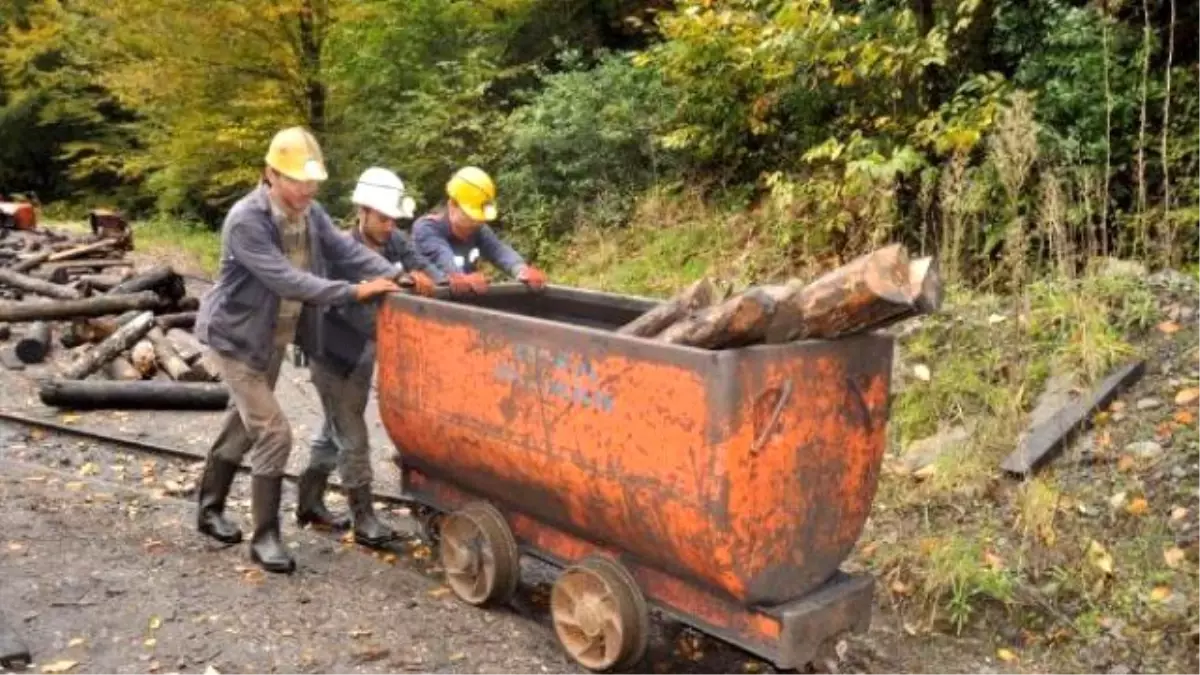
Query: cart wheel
(479, 554)
(600, 615)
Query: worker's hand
(479, 283)
(532, 277)
(459, 284)
(422, 283)
(369, 289)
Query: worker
(342, 371)
(278, 247)
(456, 234)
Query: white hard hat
(383, 191)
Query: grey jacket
(431, 233)
(237, 315)
(348, 331)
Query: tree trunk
(740, 320)
(34, 344)
(99, 282)
(32, 262)
(178, 320)
(35, 285)
(697, 296)
(161, 279)
(134, 395)
(142, 358)
(76, 309)
(169, 359)
(122, 370)
(313, 19)
(81, 251)
(112, 346)
(189, 348)
(865, 293)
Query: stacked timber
(871, 292)
(108, 332)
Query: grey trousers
(256, 422)
(343, 440)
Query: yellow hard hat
(295, 153)
(474, 192)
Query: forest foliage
(964, 126)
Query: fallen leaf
(1178, 513)
(155, 623)
(993, 561)
(37, 434)
(1168, 327)
(1100, 558)
(1117, 406)
(1185, 417)
(150, 642)
(1160, 593)
(75, 642)
(1187, 396)
(59, 666)
(14, 546)
(1005, 655)
(1117, 501)
(89, 469)
(921, 371)
(1173, 556)
(1125, 463)
(390, 558)
(75, 485)
(458, 657)
(901, 588)
(1137, 507)
(440, 592)
(69, 419)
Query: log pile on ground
(871, 292)
(110, 333)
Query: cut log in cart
(669, 464)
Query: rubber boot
(266, 548)
(214, 489)
(310, 502)
(368, 530)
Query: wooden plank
(1042, 440)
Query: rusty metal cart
(724, 488)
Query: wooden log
(60, 272)
(178, 320)
(169, 358)
(189, 348)
(863, 294)
(740, 320)
(34, 344)
(35, 285)
(79, 251)
(124, 338)
(142, 358)
(160, 279)
(100, 305)
(697, 296)
(32, 262)
(1042, 440)
(99, 282)
(188, 304)
(77, 394)
(122, 370)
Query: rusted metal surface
(680, 458)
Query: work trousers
(343, 440)
(256, 422)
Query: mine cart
(724, 488)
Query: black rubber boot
(368, 530)
(214, 489)
(266, 548)
(310, 502)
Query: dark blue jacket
(431, 233)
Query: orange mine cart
(724, 488)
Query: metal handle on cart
(770, 428)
